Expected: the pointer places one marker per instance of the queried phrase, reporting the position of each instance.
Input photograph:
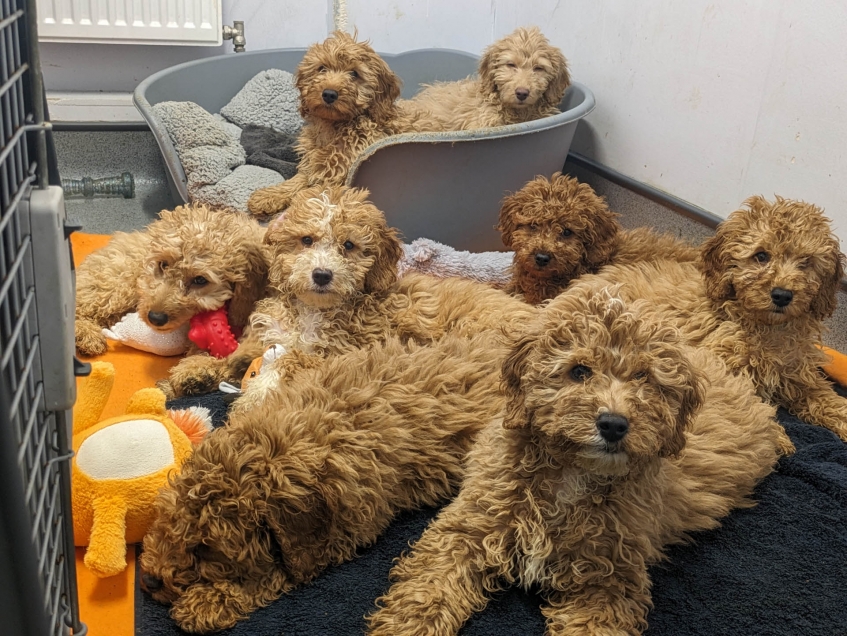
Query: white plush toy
(134, 332)
(436, 259)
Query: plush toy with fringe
(442, 261)
(121, 463)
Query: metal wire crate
(37, 575)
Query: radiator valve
(236, 34)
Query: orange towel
(107, 606)
(837, 368)
(134, 369)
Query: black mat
(779, 569)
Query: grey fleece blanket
(219, 170)
(270, 149)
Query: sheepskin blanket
(774, 570)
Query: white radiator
(187, 22)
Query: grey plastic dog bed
(443, 186)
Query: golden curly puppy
(616, 441)
(522, 77)
(559, 229)
(191, 259)
(314, 473)
(772, 272)
(347, 95)
(333, 264)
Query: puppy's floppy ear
(251, 284)
(301, 527)
(383, 273)
(486, 68)
(516, 415)
(306, 71)
(386, 91)
(713, 264)
(507, 223)
(824, 303)
(561, 77)
(602, 236)
(274, 232)
(690, 394)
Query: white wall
(709, 100)
(119, 68)
(712, 101)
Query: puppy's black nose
(329, 95)
(612, 426)
(521, 93)
(781, 297)
(150, 582)
(542, 259)
(157, 318)
(321, 277)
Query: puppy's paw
(89, 337)
(205, 609)
(784, 445)
(195, 375)
(267, 202)
(167, 388)
(596, 620)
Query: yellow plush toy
(121, 463)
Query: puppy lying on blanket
(769, 278)
(192, 259)
(616, 441)
(316, 471)
(333, 264)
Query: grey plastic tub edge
(444, 186)
(448, 187)
(211, 82)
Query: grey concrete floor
(108, 154)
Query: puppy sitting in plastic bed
(347, 95)
(522, 77)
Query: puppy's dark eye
(566, 232)
(163, 265)
(354, 74)
(804, 264)
(533, 227)
(511, 65)
(641, 375)
(322, 69)
(580, 373)
(538, 69)
(762, 257)
(307, 240)
(348, 245)
(199, 281)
